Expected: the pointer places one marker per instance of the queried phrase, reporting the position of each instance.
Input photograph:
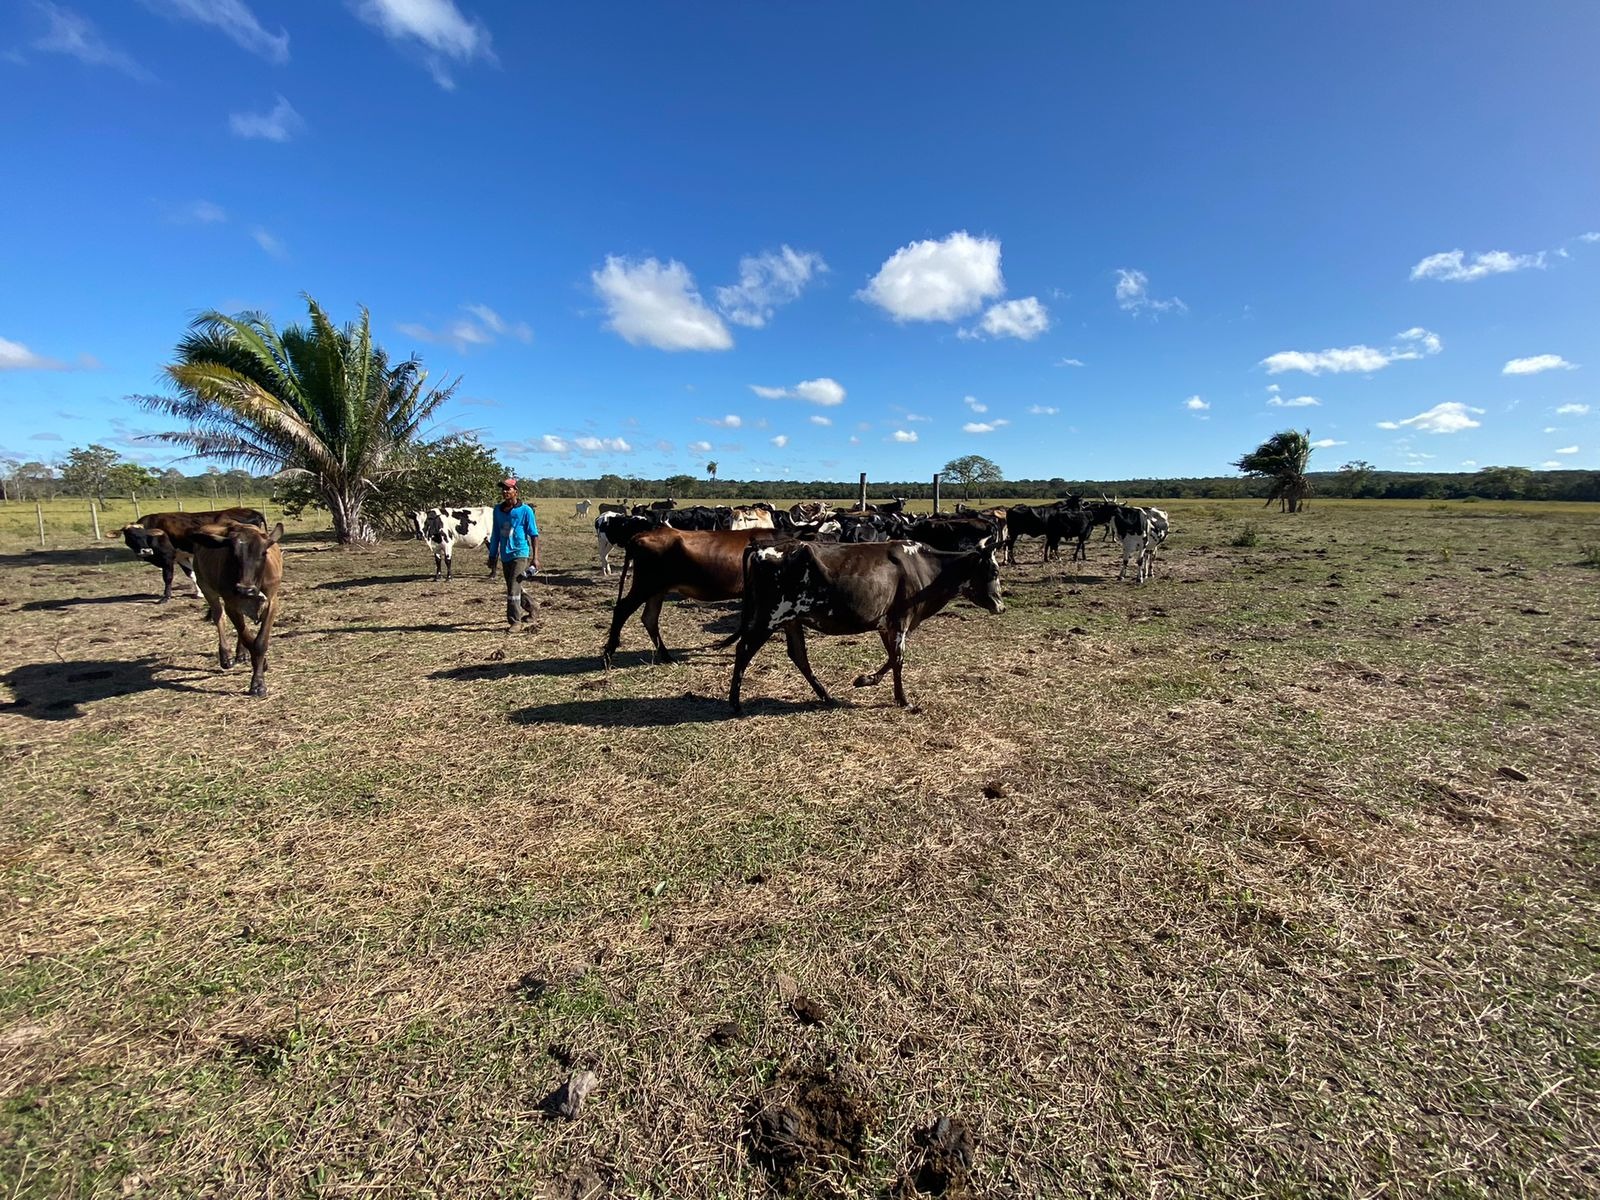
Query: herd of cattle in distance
(876, 569)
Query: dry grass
(1212, 887)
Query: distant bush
(1248, 535)
(1589, 554)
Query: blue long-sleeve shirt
(513, 533)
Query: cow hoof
(225, 663)
(863, 681)
(258, 690)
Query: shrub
(1248, 535)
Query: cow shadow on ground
(56, 691)
(431, 628)
(344, 585)
(95, 557)
(510, 668)
(572, 581)
(652, 711)
(75, 601)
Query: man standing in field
(513, 542)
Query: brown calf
(239, 569)
(700, 564)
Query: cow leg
(258, 650)
(603, 548)
(626, 607)
(188, 569)
(795, 637)
(749, 643)
(651, 620)
(166, 579)
(449, 565)
(896, 643)
(438, 565)
(214, 609)
(1011, 551)
(888, 662)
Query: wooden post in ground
(94, 515)
(936, 480)
(38, 511)
(180, 503)
(136, 513)
(862, 503)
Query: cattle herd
(872, 569)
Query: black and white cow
(1140, 531)
(887, 588)
(614, 530)
(446, 528)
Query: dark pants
(518, 606)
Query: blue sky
(1088, 241)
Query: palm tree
(711, 471)
(311, 400)
(1282, 458)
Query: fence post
(38, 511)
(936, 480)
(136, 513)
(94, 515)
(862, 504)
(180, 503)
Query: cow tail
(747, 607)
(627, 560)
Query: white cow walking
(446, 528)
(582, 509)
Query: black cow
(888, 588)
(166, 539)
(945, 532)
(618, 529)
(240, 569)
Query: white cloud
(854, 440)
(1025, 319)
(1043, 410)
(549, 444)
(77, 38)
(1272, 387)
(1450, 417)
(1365, 359)
(1567, 450)
(1550, 429)
(1469, 462)
(1069, 362)
(1196, 404)
(937, 280)
(233, 18)
(767, 281)
(1325, 443)
(197, 212)
(731, 421)
(911, 416)
(1292, 402)
(269, 243)
(781, 440)
(699, 447)
(824, 391)
(1589, 237)
(1573, 410)
(1133, 295)
(1539, 362)
(463, 334)
(819, 419)
(652, 304)
(905, 435)
(972, 403)
(279, 125)
(1453, 266)
(14, 356)
(437, 24)
(593, 445)
(983, 426)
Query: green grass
(1249, 907)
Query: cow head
(417, 519)
(983, 585)
(256, 566)
(149, 544)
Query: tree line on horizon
(318, 416)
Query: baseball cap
(508, 483)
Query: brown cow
(700, 564)
(163, 539)
(239, 569)
(884, 587)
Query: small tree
(1282, 458)
(972, 470)
(711, 470)
(88, 471)
(131, 479)
(1355, 477)
(679, 486)
(172, 480)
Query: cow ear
(276, 535)
(210, 535)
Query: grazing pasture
(1278, 875)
